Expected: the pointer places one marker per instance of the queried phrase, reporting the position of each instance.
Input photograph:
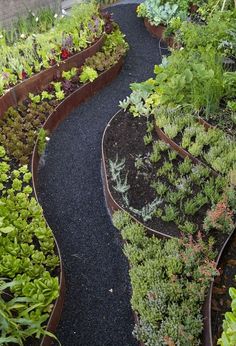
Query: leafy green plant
(228, 336)
(42, 140)
(27, 259)
(88, 74)
(69, 74)
(34, 98)
(157, 12)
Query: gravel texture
(97, 308)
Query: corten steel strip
(158, 32)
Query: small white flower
(47, 139)
(63, 11)
(55, 15)
(22, 35)
(62, 16)
(37, 19)
(33, 14)
(33, 35)
(1, 36)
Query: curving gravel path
(97, 308)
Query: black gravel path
(97, 310)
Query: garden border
(40, 80)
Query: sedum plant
(169, 281)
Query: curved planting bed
(49, 41)
(39, 81)
(68, 105)
(109, 141)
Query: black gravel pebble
(97, 308)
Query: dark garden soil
(221, 300)
(97, 309)
(121, 139)
(120, 142)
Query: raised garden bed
(68, 104)
(39, 81)
(140, 170)
(47, 42)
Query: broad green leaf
(7, 229)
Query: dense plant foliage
(19, 126)
(27, 258)
(169, 281)
(163, 12)
(34, 52)
(218, 33)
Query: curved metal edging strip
(158, 32)
(40, 80)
